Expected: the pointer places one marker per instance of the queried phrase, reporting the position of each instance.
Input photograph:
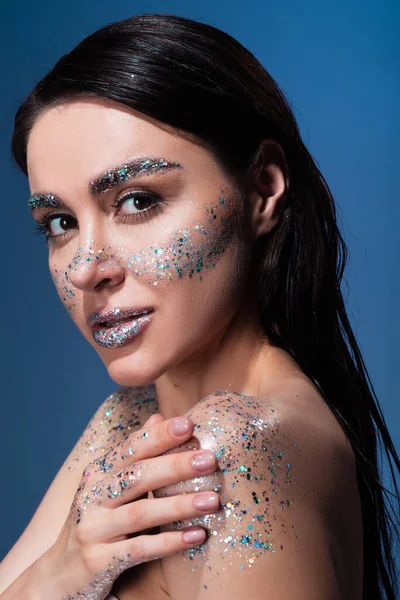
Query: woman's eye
(135, 202)
(59, 225)
(139, 206)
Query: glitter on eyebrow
(108, 181)
(47, 200)
(134, 168)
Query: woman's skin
(198, 320)
(201, 345)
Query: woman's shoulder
(288, 493)
(121, 413)
(293, 408)
(288, 429)
(129, 406)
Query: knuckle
(165, 544)
(90, 559)
(158, 436)
(179, 505)
(172, 542)
(137, 550)
(83, 533)
(130, 438)
(138, 511)
(176, 465)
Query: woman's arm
(289, 526)
(122, 412)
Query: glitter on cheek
(66, 294)
(188, 253)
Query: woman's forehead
(82, 139)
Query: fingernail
(206, 501)
(179, 426)
(194, 536)
(203, 461)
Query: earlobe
(268, 197)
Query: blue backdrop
(338, 63)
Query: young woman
(194, 242)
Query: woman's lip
(114, 323)
(121, 320)
(114, 316)
(121, 333)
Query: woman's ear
(267, 195)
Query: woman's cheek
(68, 294)
(188, 254)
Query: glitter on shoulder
(255, 460)
(121, 413)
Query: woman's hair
(202, 82)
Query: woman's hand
(103, 533)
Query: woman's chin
(129, 371)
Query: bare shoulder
(122, 412)
(289, 500)
(293, 423)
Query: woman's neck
(239, 360)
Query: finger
(146, 443)
(124, 554)
(149, 442)
(152, 474)
(145, 514)
(153, 420)
(144, 548)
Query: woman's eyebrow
(145, 165)
(45, 199)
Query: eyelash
(43, 223)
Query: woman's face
(139, 219)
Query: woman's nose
(92, 269)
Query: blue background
(338, 63)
